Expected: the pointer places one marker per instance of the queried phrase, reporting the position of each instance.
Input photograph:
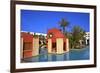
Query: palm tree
(63, 23)
(77, 35)
(35, 35)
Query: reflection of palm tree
(63, 23)
(77, 35)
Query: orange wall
(27, 38)
(27, 53)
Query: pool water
(73, 54)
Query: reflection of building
(29, 45)
(57, 43)
(87, 37)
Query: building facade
(87, 37)
(29, 45)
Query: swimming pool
(73, 54)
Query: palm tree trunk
(63, 30)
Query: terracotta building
(57, 42)
(29, 45)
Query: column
(59, 43)
(67, 45)
(49, 46)
(35, 50)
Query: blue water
(82, 54)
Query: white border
(51, 64)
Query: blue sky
(41, 21)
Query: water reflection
(72, 55)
